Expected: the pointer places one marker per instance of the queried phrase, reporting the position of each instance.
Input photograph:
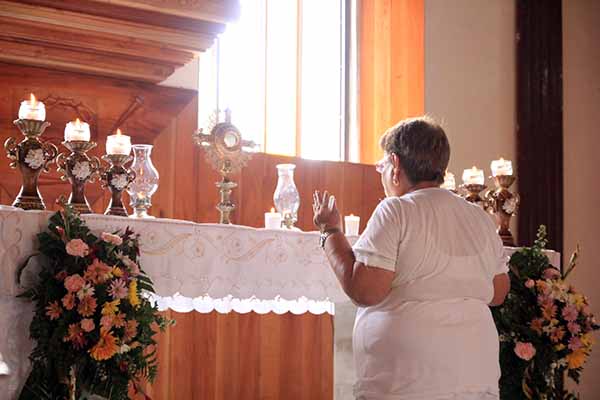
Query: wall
(470, 79)
(581, 64)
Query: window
(279, 70)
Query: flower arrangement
(93, 325)
(545, 327)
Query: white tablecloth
(200, 267)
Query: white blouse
(433, 337)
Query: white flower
(124, 349)
(81, 170)
(119, 181)
(510, 206)
(35, 158)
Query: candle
(273, 220)
(473, 176)
(118, 144)
(449, 181)
(32, 109)
(352, 223)
(77, 130)
(502, 167)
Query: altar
(195, 268)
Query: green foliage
(116, 349)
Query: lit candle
(32, 109)
(449, 181)
(473, 176)
(502, 167)
(273, 220)
(352, 223)
(118, 144)
(77, 130)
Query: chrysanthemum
(118, 289)
(105, 348)
(75, 336)
(111, 307)
(53, 310)
(97, 272)
(87, 306)
(133, 295)
(86, 291)
(130, 330)
(69, 301)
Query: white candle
(352, 222)
(502, 167)
(77, 130)
(32, 109)
(273, 220)
(473, 176)
(118, 144)
(449, 181)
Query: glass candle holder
(145, 183)
(286, 196)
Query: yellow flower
(559, 347)
(133, 295)
(105, 348)
(587, 340)
(111, 307)
(116, 271)
(579, 300)
(576, 359)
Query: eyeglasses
(382, 164)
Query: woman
(423, 274)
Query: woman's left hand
(326, 214)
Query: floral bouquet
(93, 327)
(545, 327)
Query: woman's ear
(396, 169)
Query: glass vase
(286, 197)
(145, 183)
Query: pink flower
(74, 283)
(86, 291)
(570, 313)
(529, 283)
(110, 238)
(118, 289)
(574, 328)
(525, 351)
(87, 307)
(87, 324)
(551, 273)
(557, 334)
(69, 301)
(53, 310)
(106, 322)
(537, 325)
(97, 272)
(575, 343)
(77, 248)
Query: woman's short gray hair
(422, 147)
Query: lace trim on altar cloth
(206, 304)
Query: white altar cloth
(201, 267)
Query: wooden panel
(391, 68)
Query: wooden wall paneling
(186, 165)
(163, 201)
(207, 193)
(308, 178)
(290, 362)
(249, 331)
(332, 180)
(391, 68)
(250, 191)
(352, 183)
(182, 373)
(204, 363)
(372, 193)
(269, 355)
(326, 335)
(228, 347)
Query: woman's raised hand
(326, 214)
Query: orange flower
(105, 348)
(119, 320)
(557, 334)
(98, 272)
(130, 330)
(53, 310)
(69, 301)
(536, 325)
(87, 306)
(549, 311)
(76, 336)
(576, 359)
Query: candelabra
(473, 190)
(78, 168)
(503, 204)
(117, 178)
(31, 156)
